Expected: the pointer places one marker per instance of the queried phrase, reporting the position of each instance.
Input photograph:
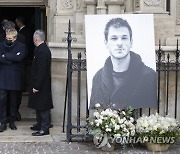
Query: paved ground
(21, 142)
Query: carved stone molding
(115, 6)
(90, 2)
(91, 6)
(114, 2)
(152, 2)
(101, 7)
(67, 4)
(80, 6)
(65, 7)
(150, 6)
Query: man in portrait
(124, 80)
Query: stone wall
(167, 28)
(59, 76)
(59, 12)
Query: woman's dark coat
(11, 65)
(40, 79)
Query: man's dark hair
(21, 19)
(9, 25)
(4, 21)
(117, 23)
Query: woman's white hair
(39, 34)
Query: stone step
(23, 133)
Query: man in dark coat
(2, 26)
(9, 25)
(124, 81)
(28, 38)
(24, 30)
(20, 38)
(12, 54)
(40, 96)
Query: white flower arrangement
(108, 124)
(155, 126)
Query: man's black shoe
(3, 127)
(12, 126)
(35, 127)
(40, 133)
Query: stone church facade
(57, 14)
(166, 16)
(166, 24)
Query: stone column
(101, 8)
(79, 16)
(129, 6)
(114, 6)
(91, 6)
(178, 13)
(64, 11)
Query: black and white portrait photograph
(121, 64)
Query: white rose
(97, 105)
(97, 124)
(123, 126)
(123, 113)
(113, 121)
(108, 129)
(117, 127)
(106, 126)
(127, 134)
(117, 135)
(144, 124)
(99, 121)
(96, 114)
(131, 119)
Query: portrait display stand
(166, 64)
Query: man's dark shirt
(136, 88)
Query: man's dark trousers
(43, 119)
(12, 94)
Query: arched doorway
(35, 18)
